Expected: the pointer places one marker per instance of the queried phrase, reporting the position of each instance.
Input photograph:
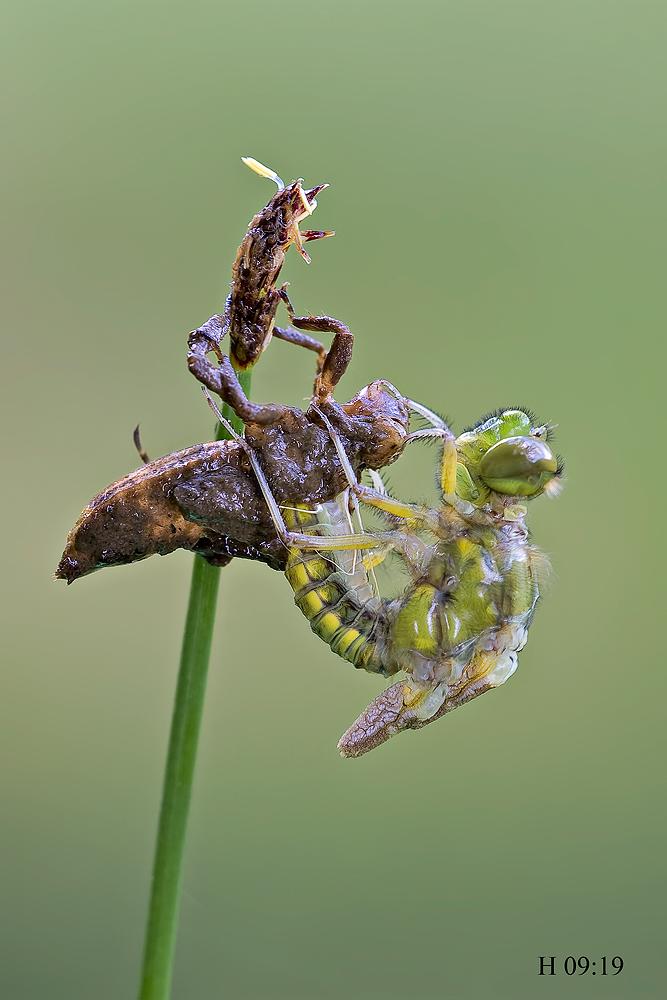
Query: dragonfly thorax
(473, 588)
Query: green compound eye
(518, 466)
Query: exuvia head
(381, 410)
(508, 454)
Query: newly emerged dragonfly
(475, 578)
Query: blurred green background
(498, 173)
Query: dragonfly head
(507, 453)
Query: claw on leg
(297, 239)
(308, 235)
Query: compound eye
(518, 466)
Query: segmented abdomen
(332, 588)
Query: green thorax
(472, 587)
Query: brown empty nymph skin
(205, 498)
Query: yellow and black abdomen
(332, 588)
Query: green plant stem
(163, 909)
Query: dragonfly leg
(223, 381)
(434, 419)
(419, 515)
(439, 429)
(448, 464)
(448, 460)
(380, 500)
(308, 235)
(207, 337)
(300, 339)
(337, 358)
(383, 541)
(315, 543)
(448, 467)
(377, 481)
